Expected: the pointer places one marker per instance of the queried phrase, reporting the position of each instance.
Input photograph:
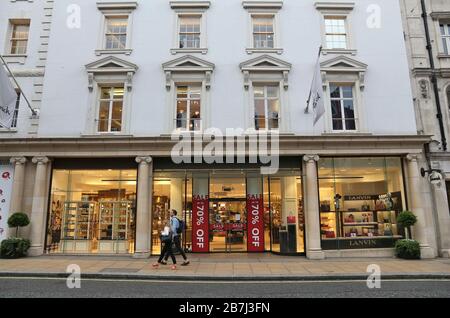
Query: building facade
(125, 81)
(427, 28)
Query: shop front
(92, 210)
(360, 199)
(232, 210)
(93, 206)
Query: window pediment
(188, 64)
(344, 65)
(111, 66)
(265, 64)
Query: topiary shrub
(407, 219)
(407, 249)
(18, 220)
(14, 247)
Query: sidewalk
(226, 267)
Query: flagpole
(20, 89)
(314, 77)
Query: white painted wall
(387, 100)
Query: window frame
(329, 17)
(11, 57)
(262, 9)
(341, 100)
(266, 99)
(109, 18)
(340, 11)
(111, 102)
(189, 16)
(445, 37)
(189, 100)
(185, 9)
(115, 10)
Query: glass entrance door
(227, 212)
(228, 225)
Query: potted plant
(15, 247)
(407, 248)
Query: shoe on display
(163, 263)
(174, 267)
(155, 265)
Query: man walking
(176, 232)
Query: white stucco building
(112, 80)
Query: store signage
(235, 227)
(217, 227)
(200, 223)
(255, 221)
(6, 181)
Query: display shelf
(360, 224)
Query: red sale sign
(200, 223)
(255, 223)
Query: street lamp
(434, 175)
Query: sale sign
(255, 223)
(200, 223)
(6, 181)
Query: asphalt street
(50, 288)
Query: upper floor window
(19, 37)
(188, 112)
(342, 107)
(263, 32)
(189, 33)
(117, 24)
(445, 35)
(267, 106)
(263, 25)
(335, 33)
(336, 27)
(111, 108)
(116, 32)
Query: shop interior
(360, 198)
(92, 211)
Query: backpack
(180, 228)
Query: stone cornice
(162, 146)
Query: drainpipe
(433, 77)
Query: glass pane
(116, 123)
(20, 31)
(335, 93)
(105, 92)
(260, 108)
(347, 91)
(182, 91)
(272, 91)
(195, 124)
(336, 109)
(258, 91)
(181, 114)
(103, 118)
(19, 46)
(337, 124)
(350, 124)
(118, 92)
(348, 109)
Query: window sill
(7, 131)
(104, 52)
(106, 135)
(443, 56)
(253, 51)
(339, 51)
(346, 133)
(15, 58)
(178, 51)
